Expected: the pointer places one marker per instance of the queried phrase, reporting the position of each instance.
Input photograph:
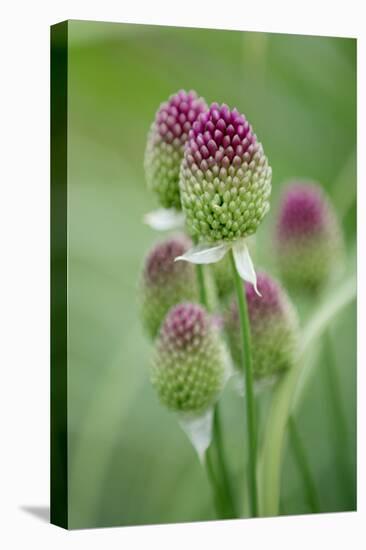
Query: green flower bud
(165, 145)
(273, 326)
(165, 282)
(225, 178)
(188, 370)
(308, 237)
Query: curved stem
(303, 466)
(249, 393)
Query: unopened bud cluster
(308, 236)
(165, 145)
(225, 177)
(165, 282)
(189, 363)
(273, 328)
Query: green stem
(303, 466)
(222, 463)
(249, 393)
(221, 487)
(201, 285)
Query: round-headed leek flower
(188, 369)
(273, 327)
(165, 283)
(165, 145)
(308, 237)
(225, 185)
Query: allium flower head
(164, 283)
(273, 326)
(225, 177)
(308, 236)
(188, 369)
(165, 145)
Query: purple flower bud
(225, 177)
(273, 325)
(308, 236)
(165, 282)
(165, 145)
(189, 363)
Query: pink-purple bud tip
(262, 307)
(176, 116)
(160, 262)
(308, 236)
(303, 211)
(269, 303)
(220, 136)
(185, 325)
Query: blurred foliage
(129, 462)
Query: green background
(129, 462)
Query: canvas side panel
(59, 474)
